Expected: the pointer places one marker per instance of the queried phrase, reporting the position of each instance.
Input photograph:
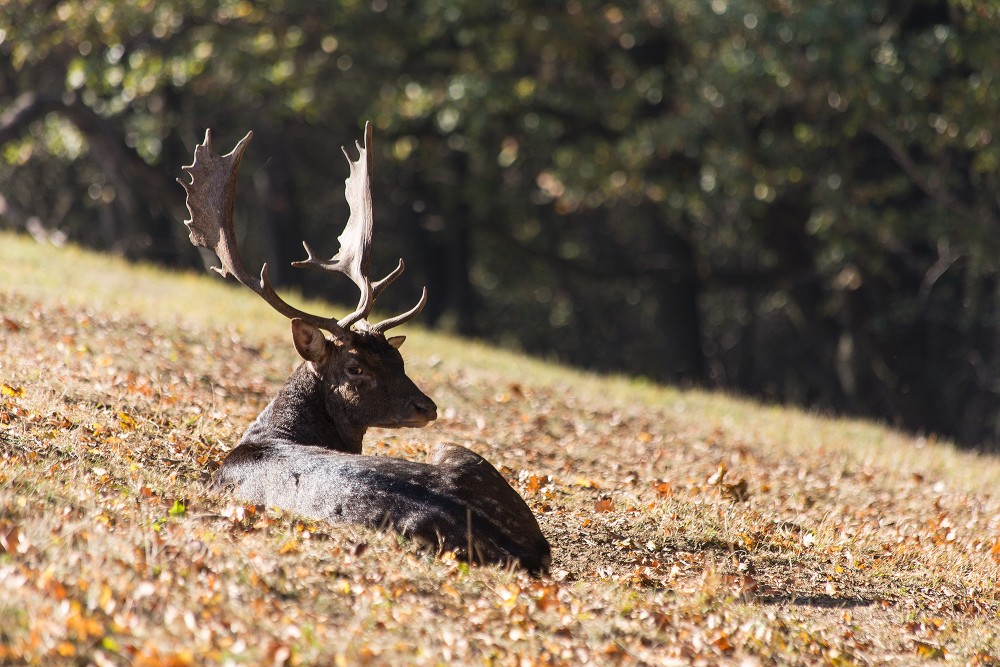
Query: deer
(304, 452)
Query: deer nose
(424, 407)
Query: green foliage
(792, 199)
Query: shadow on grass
(819, 601)
(767, 569)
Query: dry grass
(687, 527)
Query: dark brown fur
(302, 453)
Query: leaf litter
(677, 539)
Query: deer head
(360, 370)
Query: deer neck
(300, 413)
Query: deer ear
(309, 341)
(396, 341)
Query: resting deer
(303, 452)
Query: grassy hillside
(686, 526)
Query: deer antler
(211, 195)
(354, 255)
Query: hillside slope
(685, 525)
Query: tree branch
(26, 109)
(933, 190)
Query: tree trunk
(678, 318)
(275, 186)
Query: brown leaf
(508, 594)
(150, 656)
(65, 649)
(738, 492)
(604, 505)
(11, 540)
(664, 489)
(546, 596)
(279, 654)
(534, 484)
(84, 627)
(367, 654)
(612, 649)
(723, 645)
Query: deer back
(454, 502)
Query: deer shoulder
(303, 452)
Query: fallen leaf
(84, 627)
(65, 649)
(718, 475)
(929, 651)
(612, 649)
(279, 654)
(8, 390)
(738, 492)
(11, 540)
(508, 594)
(722, 644)
(664, 489)
(367, 654)
(604, 505)
(126, 421)
(546, 597)
(534, 483)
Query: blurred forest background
(792, 199)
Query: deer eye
(355, 371)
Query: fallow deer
(303, 452)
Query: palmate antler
(211, 195)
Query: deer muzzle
(422, 411)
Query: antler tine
(211, 196)
(385, 325)
(379, 286)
